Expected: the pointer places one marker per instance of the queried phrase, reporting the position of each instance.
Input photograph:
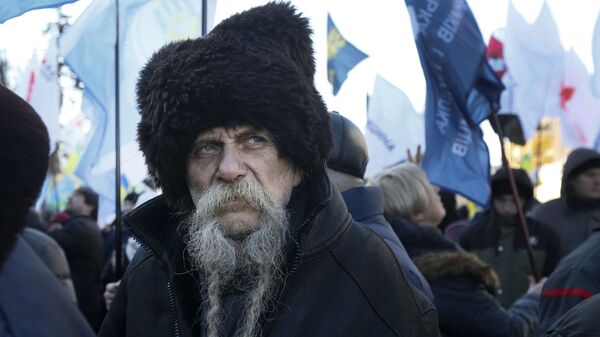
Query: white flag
(39, 87)
(393, 126)
(535, 57)
(580, 110)
(596, 58)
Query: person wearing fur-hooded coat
(463, 286)
(254, 70)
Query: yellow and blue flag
(342, 56)
(461, 91)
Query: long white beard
(258, 257)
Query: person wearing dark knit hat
(576, 212)
(346, 166)
(32, 302)
(497, 238)
(249, 237)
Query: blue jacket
(33, 303)
(576, 278)
(463, 285)
(365, 204)
(580, 321)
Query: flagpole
(204, 16)
(118, 248)
(513, 188)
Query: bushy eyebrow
(213, 138)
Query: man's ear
(297, 177)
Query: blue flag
(342, 56)
(88, 49)
(461, 90)
(14, 8)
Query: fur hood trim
(435, 266)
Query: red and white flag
(580, 109)
(596, 58)
(39, 87)
(535, 59)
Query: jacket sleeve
(428, 326)
(115, 322)
(68, 237)
(564, 291)
(521, 320)
(469, 311)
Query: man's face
(223, 156)
(586, 184)
(76, 204)
(505, 205)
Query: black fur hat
(24, 146)
(256, 67)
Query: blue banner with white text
(461, 89)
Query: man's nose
(232, 166)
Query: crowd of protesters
(266, 225)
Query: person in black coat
(250, 237)
(575, 213)
(32, 302)
(576, 278)
(580, 321)
(79, 237)
(346, 167)
(497, 238)
(463, 286)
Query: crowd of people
(266, 225)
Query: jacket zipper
(295, 238)
(169, 285)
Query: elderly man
(250, 238)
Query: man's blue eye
(206, 149)
(255, 140)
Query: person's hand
(54, 226)
(536, 288)
(417, 159)
(110, 292)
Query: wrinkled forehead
(222, 133)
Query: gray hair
(406, 190)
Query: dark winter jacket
(80, 239)
(342, 280)
(502, 246)
(463, 286)
(576, 278)
(365, 204)
(53, 257)
(581, 321)
(32, 302)
(572, 218)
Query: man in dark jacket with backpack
(250, 237)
